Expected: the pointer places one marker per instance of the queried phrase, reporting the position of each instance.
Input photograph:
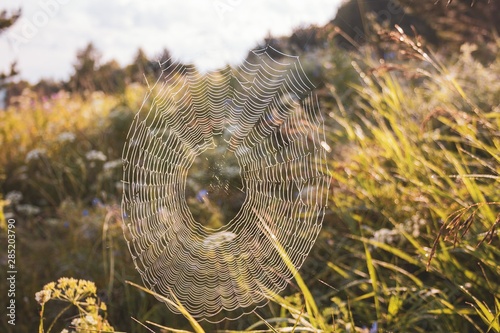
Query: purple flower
(202, 194)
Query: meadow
(409, 243)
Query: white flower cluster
(35, 154)
(385, 235)
(112, 164)
(390, 236)
(28, 210)
(14, 197)
(95, 155)
(43, 296)
(84, 324)
(414, 225)
(66, 137)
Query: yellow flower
(103, 306)
(91, 287)
(70, 293)
(62, 282)
(72, 283)
(79, 293)
(50, 286)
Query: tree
(110, 78)
(353, 19)
(444, 23)
(87, 62)
(141, 66)
(6, 21)
(459, 21)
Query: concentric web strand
(222, 172)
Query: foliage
(6, 21)
(444, 23)
(65, 146)
(410, 242)
(421, 145)
(80, 294)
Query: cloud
(209, 33)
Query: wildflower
(66, 137)
(95, 155)
(119, 186)
(35, 154)
(385, 236)
(91, 288)
(76, 322)
(43, 296)
(72, 283)
(215, 240)
(201, 196)
(62, 282)
(81, 293)
(91, 320)
(70, 293)
(414, 225)
(112, 165)
(29, 210)
(86, 287)
(14, 197)
(50, 286)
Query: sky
(208, 33)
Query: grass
(409, 243)
(422, 163)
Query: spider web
(261, 115)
